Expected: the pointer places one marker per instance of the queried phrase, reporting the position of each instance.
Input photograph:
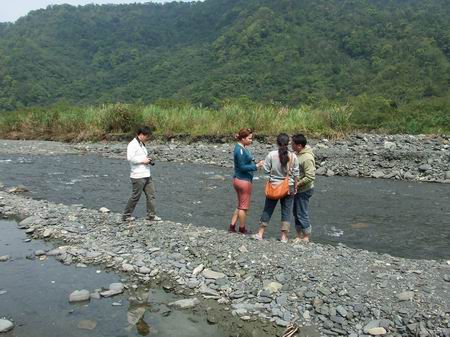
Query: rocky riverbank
(405, 157)
(329, 291)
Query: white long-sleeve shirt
(136, 153)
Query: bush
(119, 118)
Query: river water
(401, 218)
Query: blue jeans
(286, 211)
(301, 215)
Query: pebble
(4, 258)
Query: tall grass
(65, 122)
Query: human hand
(146, 161)
(260, 164)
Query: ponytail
(283, 152)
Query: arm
(295, 173)
(135, 156)
(241, 164)
(310, 172)
(267, 167)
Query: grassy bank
(169, 119)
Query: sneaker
(256, 237)
(128, 218)
(154, 218)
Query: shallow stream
(406, 219)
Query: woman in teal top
(244, 166)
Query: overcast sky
(11, 10)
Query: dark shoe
(232, 228)
(244, 231)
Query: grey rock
(405, 296)
(79, 296)
(205, 290)
(126, 267)
(114, 289)
(47, 233)
(4, 258)
(341, 311)
(353, 173)
(390, 145)
(104, 210)
(39, 252)
(273, 287)
(210, 274)
(18, 189)
(324, 291)
(192, 284)
(321, 171)
(379, 331)
(186, 303)
(425, 168)
(5, 325)
(198, 270)
(54, 252)
(30, 221)
(281, 322)
(330, 173)
(377, 174)
(409, 176)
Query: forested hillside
(286, 51)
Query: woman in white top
(279, 165)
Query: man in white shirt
(141, 179)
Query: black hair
(299, 139)
(283, 152)
(144, 130)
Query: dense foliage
(378, 55)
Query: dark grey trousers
(141, 185)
